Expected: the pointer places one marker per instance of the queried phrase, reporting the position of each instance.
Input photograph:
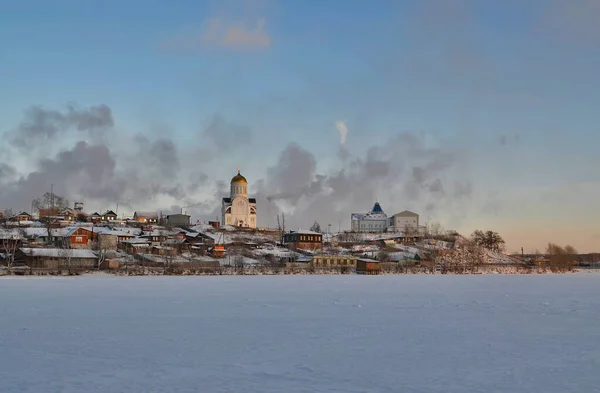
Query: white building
(374, 221)
(405, 221)
(239, 210)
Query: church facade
(238, 210)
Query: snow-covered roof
(369, 216)
(406, 213)
(10, 234)
(59, 252)
(136, 240)
(305, 232)
(151, 215)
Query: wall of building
(369, 226)
(400, 223)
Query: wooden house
(367, 266)
(302, 239)
(56, 258)
(146, 217)
(23, 216)
(109, 216)
(80, 237)
(95, 217)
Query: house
(95, 217)
(11, 240)
(69, 214)
(107, 241)
(135, 245)
(178, 220)
(367, 266)
(217, 251)
(146, 217)
(303, 239)
(109, 215)
(45, 214)
(179, 245)
(56, 258)
(23, 216)
(333, 261)
(156, 236)
(374, 221)
(80, 237)
(406, 221)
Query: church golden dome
(239, 178)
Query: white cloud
(343, 130)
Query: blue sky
(513, 85)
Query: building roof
(406, 213)
(376, 208)
(110, 212)
(59, 252)
(368, 217)
(239, 178)
(153, 215)
(305, 232)
(137, 240)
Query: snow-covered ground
(533, 333)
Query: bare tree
(11, 242)
(316, 227)
(168, 259)
(561, 258)
(473, 256)
(50, 201)
(66, 255)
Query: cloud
(41, 124)
(403, 172)
(132, 170)
(137, 171)
(220, 32)
(227, 136)
(343, 130)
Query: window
(78, 239)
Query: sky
(474, 114)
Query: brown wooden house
(81, 237)
(367, 266)
(56, 258)
(306, 240)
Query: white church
(238, 210)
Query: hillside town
(57, 239)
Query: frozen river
(286, 334)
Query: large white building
(374, 221)
(406, 221)
(238, 210)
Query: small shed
(367, 266)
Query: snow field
(412, 333)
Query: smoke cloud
(402, 173)
(140, 172)
(41, 125)
(343, 130)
